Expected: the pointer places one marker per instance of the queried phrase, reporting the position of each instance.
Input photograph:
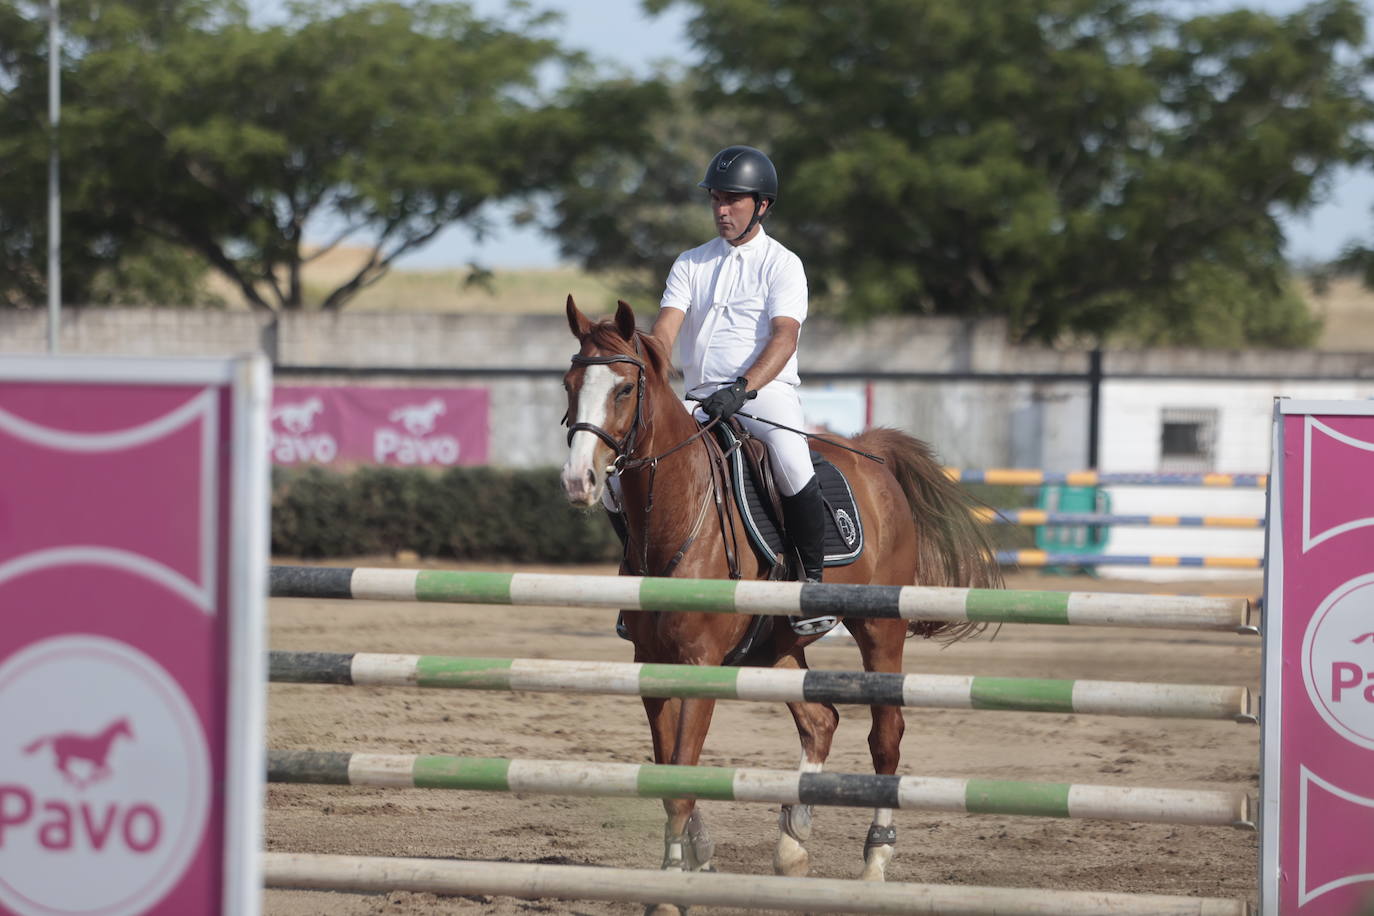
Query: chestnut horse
(625, 419)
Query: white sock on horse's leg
(674, 849)
(790, 857)
(879, 845)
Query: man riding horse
(742, 298)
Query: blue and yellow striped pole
(1024, 477)
(1044, 517)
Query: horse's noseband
(626, 445)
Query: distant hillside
(1345, 307)
(524, 291)
(1347, 312)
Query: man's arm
(666, 326)
(782, 343)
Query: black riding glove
(724, 402)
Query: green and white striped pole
(787, 787)
(905, 602)
(930, 691)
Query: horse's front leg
(881, 643)
(816, 724)
(679, 732)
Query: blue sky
(619, 31)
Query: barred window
(1187, 438)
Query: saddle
(760, 503)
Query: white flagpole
(54, 193)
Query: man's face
(732, 212)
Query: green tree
(103, 259)
(1073, 165)
(386, 121)
(631, 214)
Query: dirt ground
(931, 848)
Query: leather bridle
(625, 461)
(625, 446)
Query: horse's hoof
(664, 909)
(790, 858)
(875, 862)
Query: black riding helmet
(743, 170)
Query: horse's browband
(580, 360)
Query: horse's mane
(606, 336)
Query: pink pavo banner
(403, 427)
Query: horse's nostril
(591, 477)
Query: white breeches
(789, 451)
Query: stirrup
(620, 629)
(813, 626)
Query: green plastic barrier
(1073, 538)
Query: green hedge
(477, 513)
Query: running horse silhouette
(625, 419)
(418, 419)
(299, 417)
(94, 749)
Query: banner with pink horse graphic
(133, 545)
(404, 427)
(1318, 777)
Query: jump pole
(1046, 558)
(1039, 517)
(1022, 477)
(788, 787)
(361, 874)
(724, 596)
(929, 691)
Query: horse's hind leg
(881, 643)
(816, 723)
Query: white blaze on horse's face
(584, 477)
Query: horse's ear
(578, 323)
(625, 319)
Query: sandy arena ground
(931, 848)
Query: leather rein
(625, 460)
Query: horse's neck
(683, 475)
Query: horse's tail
(952, 547)
(37, 744)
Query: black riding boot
(622, 532)
(804, 516)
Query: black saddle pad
(844, 534)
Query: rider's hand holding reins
(724, 402)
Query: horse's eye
(625, 390)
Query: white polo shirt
(730, 294)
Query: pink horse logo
(93, 749)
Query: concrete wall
(967, 408)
